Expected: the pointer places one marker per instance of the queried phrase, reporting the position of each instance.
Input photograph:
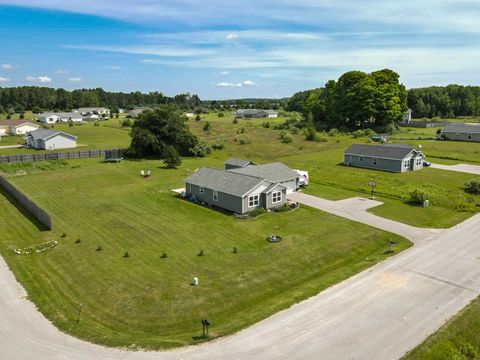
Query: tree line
(357, 100)
(444, 101)
(38, 99)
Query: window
(469, 136)
(276, 197)
(215, 195)
(253, 200)
(407, 163)
(375, 161)
(361, 158)
(202, 190)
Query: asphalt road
(378, 314)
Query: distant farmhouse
(16, 127)
(85, 111)
(254, 113)
(137, 111)
(45, 139)
(243, 188)
(59, 117)
(396, 157)
(461, 132)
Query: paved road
(466, 168)
(378, 314)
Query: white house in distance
(45, 139)
(92, 110)
(255, 113)
(16, 127)
(51, 118)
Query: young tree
(207, 127)
(171, 158)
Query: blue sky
(235, 48)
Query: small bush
(472, 186)
(266, 125)
(198, 118)
(200, 253)
(241, 131)
(418, 196)
(126, 254)
(201, 149)
(244, 140)
(207, 127)
(163, 256)
(127, 123)
(235, 121)
(221, 115)
(217, 146)
(311, 134)
(333, 132)
(286, 137)
(96, 123)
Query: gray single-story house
(396, 157)
(255, 113)
(242, 190)
(233, 163)
(461, 132)
(50, 140)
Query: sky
(235, 48)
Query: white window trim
(255, 200)
(201, 190)
(279, 198)
(215, 195)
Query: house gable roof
(45, 134)
(15, 122)
(397, 151)
(275, 172)
(238, 162)
(224, 181)
(462, 128)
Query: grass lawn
(429, 217)
(146, 300)
(459, 338)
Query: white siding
(60, 141)
(23, 129)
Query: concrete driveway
(465, 168)
(378, 314)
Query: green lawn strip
(394, 209)
(459, 338)
(148, 301)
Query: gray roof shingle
(391, 151)
(238, 162)
(46, 133)
(275, 172)
(224, 181)
(462, 128)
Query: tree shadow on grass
(40, 226)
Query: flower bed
(36, 249)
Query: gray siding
(225, 201)
(461, 136)
(269, 204)
(382, 164)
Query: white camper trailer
(304, 179)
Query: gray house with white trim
(461, 132)
(396, 157)
(242, 190)
(50, 140)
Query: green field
(459, 338)
(146, 300)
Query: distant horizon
(225, 51)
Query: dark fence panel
(79, 154)
(40, 214)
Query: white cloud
(62, 72)
(224, 73)
(246, 83)
(9, 66)
(39, 79)
(231, 36)
(4, 79)
(75, 79)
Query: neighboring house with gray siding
(396, 157)
(255, 113)
(461, 132)
(50, 140)
(240, 191)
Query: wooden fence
(37, 212)
(77, 154)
